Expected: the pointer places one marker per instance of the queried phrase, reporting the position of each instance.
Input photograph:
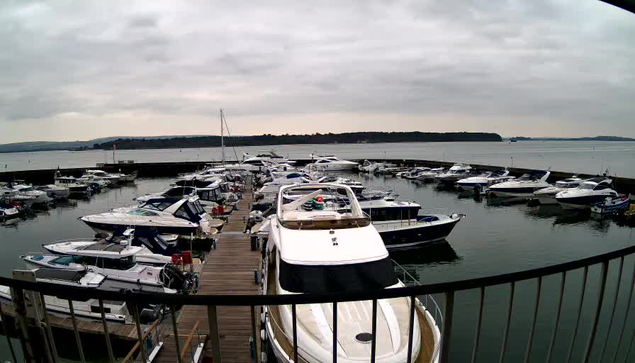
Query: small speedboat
(484, 180)
(590, 192)
(456, 173)
(523, 187)
(56, 192)
(612, 205)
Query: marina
(231, 267)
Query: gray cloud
(508, 60)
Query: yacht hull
(401, 234)
(109, 228)
(582, 202)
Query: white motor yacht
(116, 261)
(114, 311)
(523, 187)
(165, 215)
(95, 174)
(56, 192)
(329, 250)
(430, 175)
(590, 192)
(23, 193)
(484, 180)
(370, 167)
(331, 163)
(75, 187)
(454, 174)
(548, 195)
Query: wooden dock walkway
(228, 270)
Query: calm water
(580, 157)
(492, 239)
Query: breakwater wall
(166, 169)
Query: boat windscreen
(309, 279)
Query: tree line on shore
(317, 138)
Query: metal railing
(447, 289)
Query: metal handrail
(257, 300)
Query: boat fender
(263, 335)
(263, 357)
(262, 318)
(256, 277)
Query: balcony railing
(593, 343)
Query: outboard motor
(173, 278)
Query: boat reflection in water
(440, 252)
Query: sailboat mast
(222, 136)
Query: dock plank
(228, 270)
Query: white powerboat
(329, 250)
(412, 174)
(484, 180)
(454, 174)
(26, 194)
(75, 187)
(331, 163)
(165, 215)
(370, 167)
(96, 175)
(116, 261)
(548, 195)
(8, 212)
(592, 191)
(523, 187)
(56, 192)
(430, 175)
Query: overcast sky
(75, 70)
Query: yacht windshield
(589, 186)
(309, 279)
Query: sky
(77, 70)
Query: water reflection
(434, 253)
(504, 201)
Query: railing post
(448, 308)
(3, 318)
(617, 293)
(557, 321)
(295, 332)
(479, 319)
(135, 313)
(78, 339)
(17, 296)
(577, 320)
(111, 355)
(628, 309)
(49, 332)
(212, 318)
(533, 320)
(413, 301)
(508, 321)
(596, 317)
(373, 347)
(176, 333)
(253, 332)
(335, 332)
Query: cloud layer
(78, 70)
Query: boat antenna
(222, 137)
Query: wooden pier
(228, 270)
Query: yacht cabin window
(117, 263)
(311, 279)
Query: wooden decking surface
(228, 270)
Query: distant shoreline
(188, 142)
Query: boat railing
(581, 283)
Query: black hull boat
(414, 233)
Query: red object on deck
(221, 209)
(214, 210)
(187, 257)
(177, 258)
